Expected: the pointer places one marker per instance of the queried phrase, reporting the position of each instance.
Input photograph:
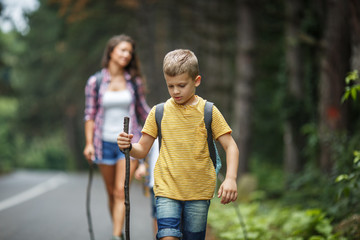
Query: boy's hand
(228, 191)
(140, 171)
(124, 140)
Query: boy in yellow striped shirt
(185, 177)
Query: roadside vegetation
(311, 206)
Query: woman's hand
(89, 153)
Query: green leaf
(341, 177)
(353, 93)
(352, 76)
(357, 87)
(316, 238)
(357, 157)
(324, 227)
(345, 96)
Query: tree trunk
(333, 70)
(72, 137)
(244, 82)
(355, 31)
(147, 37)
(292, 136)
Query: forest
(284, 74)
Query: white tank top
(116, 106)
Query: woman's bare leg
(108, 175)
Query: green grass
(269, 221)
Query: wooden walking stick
(127, 179)
(88, 194)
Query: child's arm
(140, 171)
(139, 150)
(228, 189)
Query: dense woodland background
(276, 69)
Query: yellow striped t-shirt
(184, 170)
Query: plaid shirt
(95, 111)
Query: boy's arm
(228, 189)
(139, 150)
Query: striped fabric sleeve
(219, 125)
(90, 99)
(150, 126)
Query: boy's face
(182, 88)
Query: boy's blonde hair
(181, 61)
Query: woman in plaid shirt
(111, 94)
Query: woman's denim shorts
(182, 219)
(111, 154)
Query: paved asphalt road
(43, 205)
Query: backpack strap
(99, 78)
(159, 112)
(208, 120)
(135, 87)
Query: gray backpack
(214, 155)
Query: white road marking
(39, 189)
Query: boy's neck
(193, 101)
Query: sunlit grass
(269, 221)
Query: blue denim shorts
(111, 154)
(182, 219)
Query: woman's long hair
(134, 66)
